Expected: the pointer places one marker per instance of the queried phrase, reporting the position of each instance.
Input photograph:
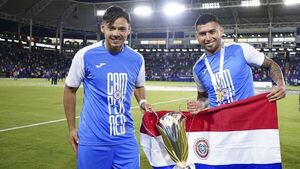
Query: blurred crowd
(289, 67)
(170, 66)
(17, 62)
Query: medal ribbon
(211, 74)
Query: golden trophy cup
(172, 129)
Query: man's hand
(277, 93)
(73, 140)
(195, 107)
(145, 107)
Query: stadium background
(38, 39)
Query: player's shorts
(122, 156)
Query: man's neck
(113, 49)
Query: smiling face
(115, 34)
(209, 36)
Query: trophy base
(191, 166)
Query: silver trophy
(172, 129)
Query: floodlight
(100, 12)
(291, 2)
(173, 9)
(143, 11)
(250, 3)
(211, 5)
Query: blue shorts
(119, 156)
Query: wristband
(142, 101)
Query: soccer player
(223, 74)
(110, 72)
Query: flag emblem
(201, 148)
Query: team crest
(201, 148)
(117, 94)
(225, 92)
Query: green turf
(32, 101)
(157, 83)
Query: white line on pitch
(55, 121)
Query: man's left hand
(277, 93)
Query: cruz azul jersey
(237, 81)
(108, 82)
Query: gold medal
(219, 95)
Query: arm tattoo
(274, 70)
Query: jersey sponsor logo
(100, 65)
(225, 84)
(201, 148)
(116, 90)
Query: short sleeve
(252, 56)
(76, 72)
(200, 87)
(141, 76)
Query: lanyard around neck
(211, 74)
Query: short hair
(112, 13)
(205, 18)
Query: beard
(212, 46)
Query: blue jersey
(237, 79)
(108, 82)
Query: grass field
(25, 102)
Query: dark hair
(205, 18)
(112, 13)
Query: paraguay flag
(240, 135)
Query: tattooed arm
(278, 92)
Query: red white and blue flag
(239, 135)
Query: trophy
(172, 129)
